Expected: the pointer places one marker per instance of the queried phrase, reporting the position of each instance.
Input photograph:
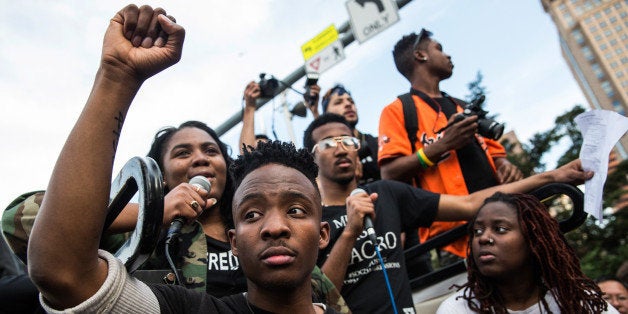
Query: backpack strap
(410, 118)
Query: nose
(200, 159)
(275, 226)
(340, 149)
(485, 238)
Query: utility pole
(347, 38)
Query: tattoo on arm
(116, 132)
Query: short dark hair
(337, 89)
(308, 141)
(274, 152)
(604, 278)
(158, 146)
(403, 53)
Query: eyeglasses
(424, 33)
(349, 143)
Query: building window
(613, 42)
(597, 70)
(614, 65)
(603, 47)
(568, 19)
(618, 5)
(618, 28)
(618, 107)
(598, 15)
(624, 36)
(598, 37)
(562, 7)
(608, 32)
(588, 20)
(608, 89)
(593, 29)
(623, 14)
(608, 11)
(613, 19)
(608, 55)
(603, 24)
(619, 74)
(577, 35)
(586, 51)
(624, 60)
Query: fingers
(251, 93)
(147, 27)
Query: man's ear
(232, 240)
(420, 55)
(324, 235)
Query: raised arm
(456, 207)
(251, 93)
(62, 253)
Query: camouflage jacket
(19, 216)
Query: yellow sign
(318, 43)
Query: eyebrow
(284, 196)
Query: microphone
(177, 222)
(368, 223)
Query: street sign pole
(346, 38)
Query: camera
(487, 127)
(268, 86)
(311, 79)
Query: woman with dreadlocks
(519, 262)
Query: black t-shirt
(176, 299)
(224, 275)
(399, 207)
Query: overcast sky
(50, 52)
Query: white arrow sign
(370, 17)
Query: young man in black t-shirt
(350, 259)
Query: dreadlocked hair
(556, 264)
(274, 152)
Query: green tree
(476, 89)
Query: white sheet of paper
(600, 129)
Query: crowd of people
(286, 229)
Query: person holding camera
(338, 100)
(252, 92)
(447, 154)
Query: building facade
(593, 36)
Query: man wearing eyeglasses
(350, 259)
(338, 100)
(454, 161)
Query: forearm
(247, 136)
(456, 207)
(62, 251)
(126, 221)
(335, 266)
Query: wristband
(424, 158)
(421, 161)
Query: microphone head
(202, 182)
(357, 191)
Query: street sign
(320, 42)
(370, 17)
(326, 58)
